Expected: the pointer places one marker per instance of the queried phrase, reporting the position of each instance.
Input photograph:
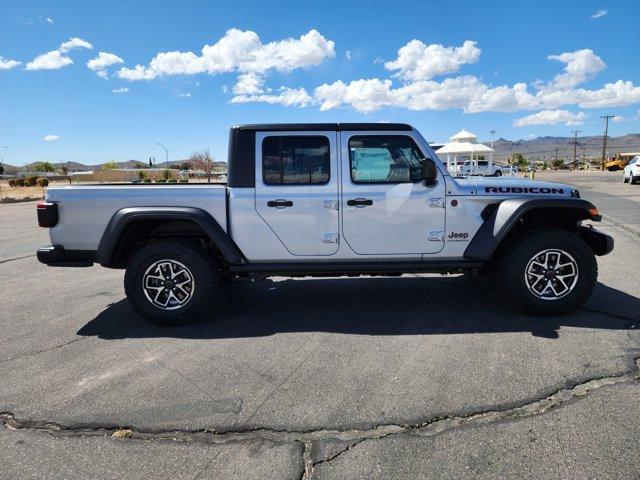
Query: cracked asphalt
(420, 376)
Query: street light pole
(166, 153)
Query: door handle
(359, 202)
(280, 203)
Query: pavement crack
(45, 350)
(17, 258)
(352, 436)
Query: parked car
(484, 168)
(339, 199)
(631, 172)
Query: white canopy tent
(464, 144)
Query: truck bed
(85, 210)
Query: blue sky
(522, 68)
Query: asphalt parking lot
(413, 377)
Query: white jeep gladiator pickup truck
(338, 199)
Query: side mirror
(429, 172)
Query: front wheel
(548, 271)
(171, 282)
(498, 173)
(624, 178)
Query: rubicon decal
(542, 190)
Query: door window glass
(384, 159)
(295, 160)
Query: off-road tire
(200, 265)
(633, 180)
(498, 173)
(524, 247)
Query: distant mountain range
(542, 148)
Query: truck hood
(505, 187)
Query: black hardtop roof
(280, 127)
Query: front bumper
(57, 256)
(600, 243)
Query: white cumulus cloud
(73, 44)
(56, 59)
(579, 67)
(51, 138)
(551, 117)
(418, 61)
(599, 13)
(49, 61)
(7, 64)
(120, 90)
(238, 51)
(102, 62)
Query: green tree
(109, 165)
(518, 159)
(42, 167)
(557, 163)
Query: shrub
(42, 182)
(161, 180)
(12, 183)
(147, 180)
(30, 181)
(166, 174)
(184, 180)
(172, 180)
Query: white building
(462, 147)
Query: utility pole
(604, 139)
(575, 146)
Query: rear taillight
(47, 214)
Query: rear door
(297, 190)
(387, 208)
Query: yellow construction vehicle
(619, 161)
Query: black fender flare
(503, 218)
(126, 216)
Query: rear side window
(384, 159)
(296, 160)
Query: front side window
(384, 159)
(295, 160)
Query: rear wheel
(549, 271)
(498, 173)
(171, 282)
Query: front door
(387, 208)
(297, 190)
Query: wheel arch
(511, 215)
(129, 226)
